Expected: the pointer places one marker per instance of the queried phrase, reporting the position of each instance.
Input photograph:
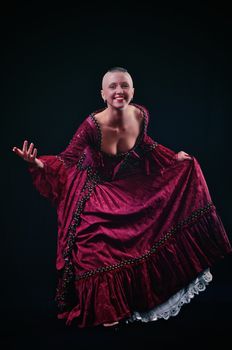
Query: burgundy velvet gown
(133, 229)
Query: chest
(120, 140)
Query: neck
(116, 116)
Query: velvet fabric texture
(133, 228)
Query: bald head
(122, 72)
(117, 88)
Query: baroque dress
(137, 232)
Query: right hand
(28, 154)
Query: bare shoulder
(99, 115)
(138, 114)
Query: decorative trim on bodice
(138, 141)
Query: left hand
(180, 156)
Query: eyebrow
(123, 82)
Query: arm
(162, 157)
(165, 156)
(50, 172)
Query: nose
(119, 89)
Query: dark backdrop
(53, 61)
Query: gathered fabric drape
(133, 229)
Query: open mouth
(119, 99)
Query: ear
(133, 92)
(102, 95)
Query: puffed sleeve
(51, 180)
(163, 156)
(157, 156)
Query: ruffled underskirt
(154, 287)
(173, 305)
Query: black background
(54, 57)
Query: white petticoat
(173, 305)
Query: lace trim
(173, 305)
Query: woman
(137, 229)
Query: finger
(25, 143)
(30, 149)
(34, 154)
(17, 151)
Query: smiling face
(117, 89)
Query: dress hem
(173, 305)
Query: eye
(125, 85)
